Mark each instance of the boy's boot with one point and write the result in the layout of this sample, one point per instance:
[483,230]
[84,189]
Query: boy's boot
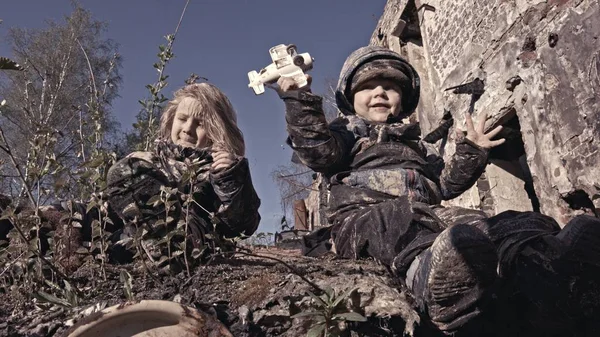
[453,278]
[581,238]
[553,281]
[535,289]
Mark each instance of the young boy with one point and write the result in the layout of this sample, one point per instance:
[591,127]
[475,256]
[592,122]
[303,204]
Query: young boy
[385,189]
[386,184]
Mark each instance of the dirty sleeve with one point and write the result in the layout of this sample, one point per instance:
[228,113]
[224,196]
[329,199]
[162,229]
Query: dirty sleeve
[238,211]
[318,145]
[462,171]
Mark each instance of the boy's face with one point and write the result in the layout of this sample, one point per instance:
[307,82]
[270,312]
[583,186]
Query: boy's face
[187,127]
[376,99]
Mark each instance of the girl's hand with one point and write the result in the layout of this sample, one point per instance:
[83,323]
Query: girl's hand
[222,160]
[478,136]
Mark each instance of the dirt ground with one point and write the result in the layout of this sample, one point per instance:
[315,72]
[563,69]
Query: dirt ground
[251,295]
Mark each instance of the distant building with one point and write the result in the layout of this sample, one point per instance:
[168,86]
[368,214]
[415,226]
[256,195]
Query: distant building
[315,204]
[309,214]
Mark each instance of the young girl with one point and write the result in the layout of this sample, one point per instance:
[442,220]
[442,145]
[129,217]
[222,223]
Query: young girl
[199,155]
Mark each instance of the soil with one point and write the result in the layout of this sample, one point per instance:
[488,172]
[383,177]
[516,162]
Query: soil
[251,295]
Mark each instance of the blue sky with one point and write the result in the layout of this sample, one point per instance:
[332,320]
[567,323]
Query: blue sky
[221,40]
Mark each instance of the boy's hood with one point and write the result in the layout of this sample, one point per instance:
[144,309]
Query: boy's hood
[364,55]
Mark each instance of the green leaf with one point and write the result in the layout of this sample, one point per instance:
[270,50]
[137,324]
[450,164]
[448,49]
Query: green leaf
[91,205]
[351,317]
[85,175]
[176,253]
[162,260]
[196,253]
[316,330]
[95,177]
[330,293]
[343,297]
[70,294]
[326,299]
[52,284]
[96,232]
[94,162]
[45,297]
[317,299]
[125,277]
[154,201]
[320,319]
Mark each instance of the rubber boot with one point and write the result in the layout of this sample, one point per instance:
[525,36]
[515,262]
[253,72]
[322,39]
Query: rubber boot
[581,237]
[453,279]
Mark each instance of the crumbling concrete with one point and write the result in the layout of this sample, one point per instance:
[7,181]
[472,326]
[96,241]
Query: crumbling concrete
[540,64]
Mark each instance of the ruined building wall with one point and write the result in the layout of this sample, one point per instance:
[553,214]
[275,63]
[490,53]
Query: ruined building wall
[540,65]
[316,203]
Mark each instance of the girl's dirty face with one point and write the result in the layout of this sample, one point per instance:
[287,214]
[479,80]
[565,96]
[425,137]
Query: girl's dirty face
[187,129]
[376,99]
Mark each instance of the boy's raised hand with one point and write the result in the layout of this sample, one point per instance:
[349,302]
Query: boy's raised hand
[287,84]
[478,135]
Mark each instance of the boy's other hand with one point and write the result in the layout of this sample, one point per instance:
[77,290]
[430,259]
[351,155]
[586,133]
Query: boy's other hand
[287,84]
[478,135]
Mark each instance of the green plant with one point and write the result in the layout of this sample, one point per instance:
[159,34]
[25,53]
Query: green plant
[146,128]
[67,296]
[126,278]
[330,309]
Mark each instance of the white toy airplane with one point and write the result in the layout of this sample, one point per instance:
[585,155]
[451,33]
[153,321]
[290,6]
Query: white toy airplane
[286,62]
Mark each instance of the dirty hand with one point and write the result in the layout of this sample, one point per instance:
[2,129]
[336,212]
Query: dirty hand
[222,160]
[478,136]
[286,84]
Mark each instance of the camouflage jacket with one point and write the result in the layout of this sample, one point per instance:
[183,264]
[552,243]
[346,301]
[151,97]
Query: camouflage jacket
[369,163]
[225,199]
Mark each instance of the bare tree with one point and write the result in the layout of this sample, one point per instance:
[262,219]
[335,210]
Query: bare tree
[58,107]
[294,182]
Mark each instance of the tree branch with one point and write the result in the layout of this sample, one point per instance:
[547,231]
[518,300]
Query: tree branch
[17,167]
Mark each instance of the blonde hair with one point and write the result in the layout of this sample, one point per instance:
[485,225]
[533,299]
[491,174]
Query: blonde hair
[215,110]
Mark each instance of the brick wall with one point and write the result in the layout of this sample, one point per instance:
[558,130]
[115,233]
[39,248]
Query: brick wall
[540,63]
